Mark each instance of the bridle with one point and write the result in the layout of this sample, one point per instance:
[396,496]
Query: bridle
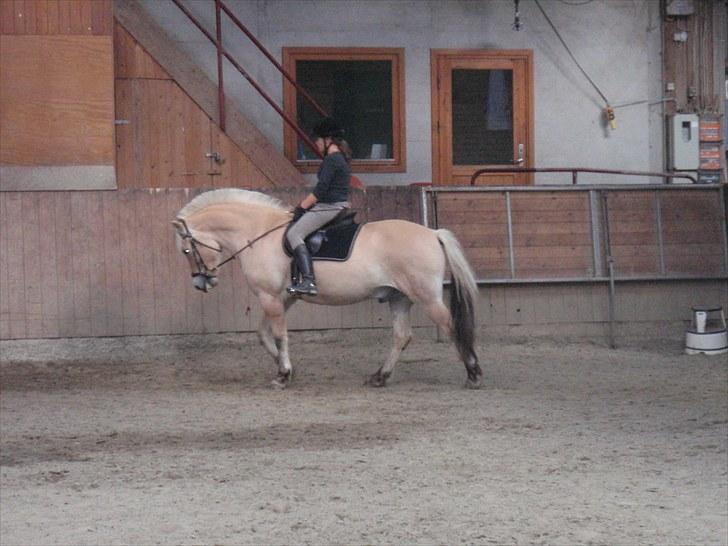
[209,275]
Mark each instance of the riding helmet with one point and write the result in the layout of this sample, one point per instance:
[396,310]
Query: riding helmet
[328,128]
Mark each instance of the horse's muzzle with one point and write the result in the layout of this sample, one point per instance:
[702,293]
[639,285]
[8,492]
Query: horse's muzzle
[204,282]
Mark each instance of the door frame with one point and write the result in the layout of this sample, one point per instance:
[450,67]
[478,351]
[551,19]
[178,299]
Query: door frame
[439,55]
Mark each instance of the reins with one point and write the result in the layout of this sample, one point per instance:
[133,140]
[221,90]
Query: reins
[251,243]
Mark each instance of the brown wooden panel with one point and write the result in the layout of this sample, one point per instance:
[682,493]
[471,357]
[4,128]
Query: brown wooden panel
[457,202]
[64,261]
[30,15]
[78,262]
[204,92]
[32,264]
[81,232]
[7,17]
[236,169]
[143,244]
[95,250]
[13,256]
[41,16]
[179,271]
[165,142]
[113,259]
[48,270]
[56,100]
[129,270]
[4,288]
[131,60]
[56,17]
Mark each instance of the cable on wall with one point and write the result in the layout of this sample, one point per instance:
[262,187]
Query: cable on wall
[608,110]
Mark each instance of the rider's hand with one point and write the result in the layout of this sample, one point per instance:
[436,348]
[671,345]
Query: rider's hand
[297,213]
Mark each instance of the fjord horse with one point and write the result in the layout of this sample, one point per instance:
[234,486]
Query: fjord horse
[395,261]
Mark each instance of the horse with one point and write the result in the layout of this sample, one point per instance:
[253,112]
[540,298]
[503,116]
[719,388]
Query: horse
[395,261]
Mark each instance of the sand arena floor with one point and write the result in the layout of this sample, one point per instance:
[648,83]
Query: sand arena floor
[181,440]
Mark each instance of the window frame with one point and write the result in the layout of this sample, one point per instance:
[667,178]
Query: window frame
[291,55]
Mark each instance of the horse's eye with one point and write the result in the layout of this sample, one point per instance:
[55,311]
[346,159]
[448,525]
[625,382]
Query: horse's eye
[186,251]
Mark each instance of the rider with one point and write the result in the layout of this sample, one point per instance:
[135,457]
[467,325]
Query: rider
[324,203]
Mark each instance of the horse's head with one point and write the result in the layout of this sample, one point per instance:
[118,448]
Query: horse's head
[202,251]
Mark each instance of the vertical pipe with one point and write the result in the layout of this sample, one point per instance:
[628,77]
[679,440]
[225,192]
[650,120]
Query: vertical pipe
[423,205]
[220,85]
[610,269]
[596,234]
[658,220]
[510,235]
[724,228]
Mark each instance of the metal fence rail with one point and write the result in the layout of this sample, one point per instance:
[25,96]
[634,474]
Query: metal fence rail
[602,226]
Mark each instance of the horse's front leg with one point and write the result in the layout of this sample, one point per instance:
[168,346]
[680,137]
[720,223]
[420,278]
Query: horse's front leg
[274,336]
[265,332]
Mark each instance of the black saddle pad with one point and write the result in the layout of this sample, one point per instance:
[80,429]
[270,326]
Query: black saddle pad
[337,242]
[332,242]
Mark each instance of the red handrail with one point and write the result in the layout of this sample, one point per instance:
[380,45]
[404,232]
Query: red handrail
[273,60]
[222,52]
[574,171]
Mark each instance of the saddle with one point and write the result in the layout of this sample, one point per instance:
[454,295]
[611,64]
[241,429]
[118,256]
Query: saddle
[333,241]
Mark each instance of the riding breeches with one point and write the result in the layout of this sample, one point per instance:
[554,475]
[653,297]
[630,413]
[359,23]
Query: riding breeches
[313,219]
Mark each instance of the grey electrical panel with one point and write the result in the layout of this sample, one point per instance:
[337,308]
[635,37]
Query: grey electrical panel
[683,133]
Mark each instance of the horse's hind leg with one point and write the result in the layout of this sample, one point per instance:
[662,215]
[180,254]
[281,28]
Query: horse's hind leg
[400,306]
[440,315]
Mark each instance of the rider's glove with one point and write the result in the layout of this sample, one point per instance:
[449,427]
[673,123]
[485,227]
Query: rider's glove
[297,213]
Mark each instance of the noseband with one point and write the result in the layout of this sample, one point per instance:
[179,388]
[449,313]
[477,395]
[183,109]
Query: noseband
[202,269]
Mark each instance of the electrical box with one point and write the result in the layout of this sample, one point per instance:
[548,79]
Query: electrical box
[684,136]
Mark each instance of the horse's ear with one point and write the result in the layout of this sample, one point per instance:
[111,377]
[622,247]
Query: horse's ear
[178,225]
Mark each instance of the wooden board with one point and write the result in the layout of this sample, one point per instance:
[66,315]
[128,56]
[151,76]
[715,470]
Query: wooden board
[56,100]
[131,60]
[57,17]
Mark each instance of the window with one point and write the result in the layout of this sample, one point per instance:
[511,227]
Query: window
[363,89]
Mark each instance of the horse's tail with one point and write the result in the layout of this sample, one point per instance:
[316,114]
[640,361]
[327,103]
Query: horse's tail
[463,295]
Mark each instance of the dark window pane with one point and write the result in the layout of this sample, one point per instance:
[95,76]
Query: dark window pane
[482,117]
[358,94]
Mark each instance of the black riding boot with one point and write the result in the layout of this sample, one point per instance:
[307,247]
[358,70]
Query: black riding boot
[307,285]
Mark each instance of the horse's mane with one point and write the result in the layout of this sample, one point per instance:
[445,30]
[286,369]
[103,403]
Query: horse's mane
[229,195]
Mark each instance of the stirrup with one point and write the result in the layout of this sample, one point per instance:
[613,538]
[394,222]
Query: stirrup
[306,287]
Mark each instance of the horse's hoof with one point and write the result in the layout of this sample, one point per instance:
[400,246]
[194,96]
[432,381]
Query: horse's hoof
[474,383]
[377,380]
[282,380]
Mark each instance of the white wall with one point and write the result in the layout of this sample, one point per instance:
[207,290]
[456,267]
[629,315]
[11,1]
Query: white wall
[618,42]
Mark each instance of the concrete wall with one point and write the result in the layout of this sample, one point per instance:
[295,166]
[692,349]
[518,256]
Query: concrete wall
[618,42]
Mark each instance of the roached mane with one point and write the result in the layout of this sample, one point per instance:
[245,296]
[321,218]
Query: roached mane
[229,195]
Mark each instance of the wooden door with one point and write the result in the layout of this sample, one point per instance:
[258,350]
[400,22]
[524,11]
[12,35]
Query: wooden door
[482,115]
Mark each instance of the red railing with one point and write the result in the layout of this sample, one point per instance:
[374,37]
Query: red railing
[223,53]
[574,172]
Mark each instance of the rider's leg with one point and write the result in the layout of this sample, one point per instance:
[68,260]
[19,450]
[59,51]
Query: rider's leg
[319,215]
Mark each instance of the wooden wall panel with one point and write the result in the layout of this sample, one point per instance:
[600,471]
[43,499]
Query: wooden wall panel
[65,17]
[50,114]
[479,221]
[552,235]
[132,61]
[105,263]
[165,137]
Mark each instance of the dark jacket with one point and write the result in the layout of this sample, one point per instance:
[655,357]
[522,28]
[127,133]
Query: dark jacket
[334,177]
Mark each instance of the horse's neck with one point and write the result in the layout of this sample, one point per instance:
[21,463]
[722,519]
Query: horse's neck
[234,222]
